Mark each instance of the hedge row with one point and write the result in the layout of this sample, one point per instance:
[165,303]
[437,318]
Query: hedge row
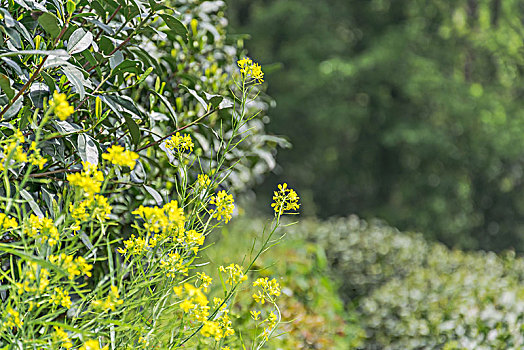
[412,294]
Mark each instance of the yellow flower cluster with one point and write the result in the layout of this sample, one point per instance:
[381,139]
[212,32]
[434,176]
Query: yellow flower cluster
[224,204]
[61,297]
[13,319]
[111,302]
[93,345]
[60,336]
[206,280]
[117,155]
[35,279]
[168,220]
[89,180]
[203,181]
[14,150]
[43,228]
[134,246]
[271,323]
[180,143]
[7,222]
[196,304]
[96,206]
[60,106]
[234,272]
[285,199]
[268,289]
[248,68]
[74,266]
[173,265]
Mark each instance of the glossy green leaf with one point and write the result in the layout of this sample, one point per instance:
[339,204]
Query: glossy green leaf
[176,26]
[49,22]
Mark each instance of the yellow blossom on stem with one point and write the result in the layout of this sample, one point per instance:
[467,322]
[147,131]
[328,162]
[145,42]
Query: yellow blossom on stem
[89,180]
[60,106]
[7,222]
[285,199]
[117,155]
[180,143]
[61,336]
[111,302]
[13,318]
[43,228]
[61,297]
[224,206]
[234,273]
[250,69]
[93,345]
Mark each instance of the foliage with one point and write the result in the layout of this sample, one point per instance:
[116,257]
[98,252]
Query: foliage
[410,294]
[122,134]
[313,316]
[404,110]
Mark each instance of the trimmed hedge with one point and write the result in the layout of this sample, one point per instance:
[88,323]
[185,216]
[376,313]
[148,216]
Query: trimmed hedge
[413,294]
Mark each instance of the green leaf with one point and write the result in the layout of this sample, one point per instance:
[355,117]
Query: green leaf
[196,95]
[156,196]
[36,209]
[76,78]
[49,22]
[106,45]
[87,149]
[79,41]
[14,109]
[176,26]
[57,53]
[50,82]
[172,113]
[133,129]
[127,66]
[5,85]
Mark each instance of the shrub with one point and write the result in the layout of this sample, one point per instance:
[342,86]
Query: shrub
[122,133]
[413,294]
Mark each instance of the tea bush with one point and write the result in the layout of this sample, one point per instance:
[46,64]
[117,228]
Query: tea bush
[122,134]
[412,294]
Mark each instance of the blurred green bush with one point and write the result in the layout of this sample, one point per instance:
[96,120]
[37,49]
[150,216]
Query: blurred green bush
[411,294]
[406,110]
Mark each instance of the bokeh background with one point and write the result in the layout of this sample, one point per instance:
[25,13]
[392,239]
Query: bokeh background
[410,112]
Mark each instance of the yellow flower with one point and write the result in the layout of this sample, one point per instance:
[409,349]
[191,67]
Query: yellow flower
[13,318]
[234,272]
[61,336]
[43,228]
[285,199]
[74,267]
[187,305]
[206,280]
[61,297]
[255,315]
[92,345]
[7,222]
[89,180]
[180,143]
[224,206]
[248,68]
[111,302]
[118,156]
[203,181]
[60,106]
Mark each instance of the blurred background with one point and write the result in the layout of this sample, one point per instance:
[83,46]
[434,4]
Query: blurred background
[409,112]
